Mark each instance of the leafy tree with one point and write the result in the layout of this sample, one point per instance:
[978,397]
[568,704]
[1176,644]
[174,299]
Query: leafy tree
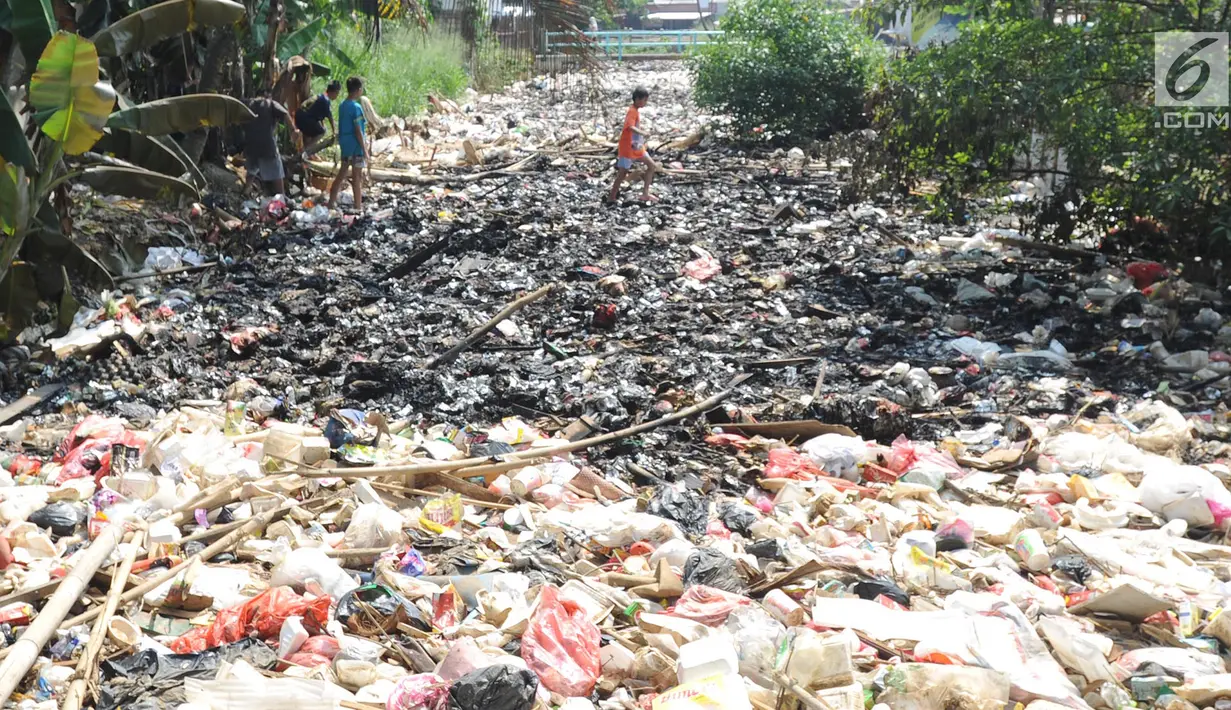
[798,68]
[1027,83]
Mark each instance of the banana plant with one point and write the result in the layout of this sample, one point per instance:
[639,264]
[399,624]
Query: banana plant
[51,133]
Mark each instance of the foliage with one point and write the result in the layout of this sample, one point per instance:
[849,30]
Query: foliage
[70,111]
[1018,89]
[403,69]
[493,67]
[796,67]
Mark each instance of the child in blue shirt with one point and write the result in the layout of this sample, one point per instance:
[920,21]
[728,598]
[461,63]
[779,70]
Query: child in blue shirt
[351,141]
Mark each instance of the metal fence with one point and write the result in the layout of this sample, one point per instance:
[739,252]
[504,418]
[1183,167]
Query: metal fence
[631,44]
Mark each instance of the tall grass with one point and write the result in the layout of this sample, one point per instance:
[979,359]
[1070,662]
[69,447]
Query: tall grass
[403,69]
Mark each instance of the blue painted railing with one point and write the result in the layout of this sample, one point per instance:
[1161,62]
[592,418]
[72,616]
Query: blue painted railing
[615,42]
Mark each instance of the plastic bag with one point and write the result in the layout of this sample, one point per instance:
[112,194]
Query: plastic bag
[373,525]
[690,510]
[707,605]
[61,518]
[837,454]
[784,463]
[561,645]
[498,687]
[374,608]
[309,660]
[955,535]
[307,566]
[422,690]
[757,638]
[737,518]
[703,268]
[321,645]
[709,567]
[264,614]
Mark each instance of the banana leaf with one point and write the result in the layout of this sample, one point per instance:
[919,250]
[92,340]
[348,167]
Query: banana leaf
[14,213]
[14,147]
[6,16]
[299,40]
[136,182]
[140,150]
[33,25]
[152,25]
[66,80]
[181,114]
[47,245]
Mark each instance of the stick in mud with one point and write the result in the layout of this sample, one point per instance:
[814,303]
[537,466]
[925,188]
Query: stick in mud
[482,330]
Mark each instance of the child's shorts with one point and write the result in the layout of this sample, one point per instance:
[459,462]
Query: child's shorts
[627,163]
[354,161]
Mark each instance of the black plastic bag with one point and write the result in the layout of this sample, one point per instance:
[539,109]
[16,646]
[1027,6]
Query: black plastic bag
[1075,566]
[737,518]
[690,510]
[498,687]
[151,681]
[61,518]
[873,588]
[767,549]
[711,568]
[374,609]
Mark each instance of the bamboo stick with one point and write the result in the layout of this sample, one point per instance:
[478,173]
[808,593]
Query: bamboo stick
[22,654]
[484,466]
[482,330]
[88,664]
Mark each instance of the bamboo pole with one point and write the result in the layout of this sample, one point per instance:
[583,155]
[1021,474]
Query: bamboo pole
[452,353]
[22,654]
[88,664]
[484,466]
[226,543]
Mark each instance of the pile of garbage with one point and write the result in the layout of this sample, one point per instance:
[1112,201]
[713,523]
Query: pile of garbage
[494,446]
[221,559]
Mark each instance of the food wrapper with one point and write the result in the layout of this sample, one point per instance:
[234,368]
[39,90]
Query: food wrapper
[442,513]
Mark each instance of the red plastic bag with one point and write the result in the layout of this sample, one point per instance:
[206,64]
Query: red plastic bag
[902,455]
[561,645]
[92,427]
[262,614]
[326,646]
[310,660]
[707,605]
[785,463]
[1145,273]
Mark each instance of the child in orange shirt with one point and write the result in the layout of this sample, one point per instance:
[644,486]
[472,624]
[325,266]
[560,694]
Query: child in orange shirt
[632,149]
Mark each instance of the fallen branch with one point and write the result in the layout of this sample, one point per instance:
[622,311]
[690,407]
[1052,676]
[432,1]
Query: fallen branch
[408,178]
[482,330]
[485,466]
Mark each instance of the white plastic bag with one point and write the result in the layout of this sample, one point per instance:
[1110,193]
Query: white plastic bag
[308,567]
[373,525]
[837,454]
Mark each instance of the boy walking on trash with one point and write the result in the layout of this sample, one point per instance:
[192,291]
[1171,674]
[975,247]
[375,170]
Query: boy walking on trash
[632,149]
[353,144]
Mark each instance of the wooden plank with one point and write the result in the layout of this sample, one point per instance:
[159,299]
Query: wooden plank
[35,398]
[800,429]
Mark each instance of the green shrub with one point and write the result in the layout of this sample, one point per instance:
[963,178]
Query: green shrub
[795,67]
[980,112]
[402,69]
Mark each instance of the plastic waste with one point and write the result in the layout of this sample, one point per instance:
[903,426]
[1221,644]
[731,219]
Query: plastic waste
[422,690]
[711,568]
[292,636]
[308,568]
[561,645]
[373,609]
[263,615]
[836,454]
[819,662]
[373,525]
[690,510]
[708,605]
[711,656]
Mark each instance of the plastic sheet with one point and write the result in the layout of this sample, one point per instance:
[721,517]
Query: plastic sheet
[263,615]
[707,605]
